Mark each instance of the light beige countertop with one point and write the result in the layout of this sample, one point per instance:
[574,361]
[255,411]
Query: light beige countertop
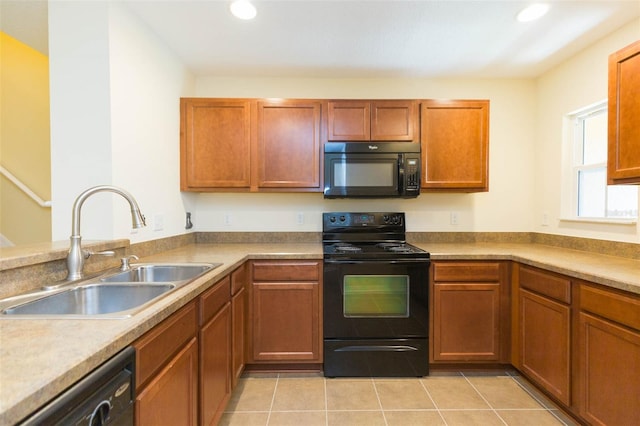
[611,271]
[41,358]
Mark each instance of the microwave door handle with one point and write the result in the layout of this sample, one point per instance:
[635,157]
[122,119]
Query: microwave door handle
[400,175]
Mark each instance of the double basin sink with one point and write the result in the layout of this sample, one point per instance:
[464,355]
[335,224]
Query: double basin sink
[118,294]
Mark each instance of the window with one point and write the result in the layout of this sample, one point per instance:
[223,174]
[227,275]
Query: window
[593,198]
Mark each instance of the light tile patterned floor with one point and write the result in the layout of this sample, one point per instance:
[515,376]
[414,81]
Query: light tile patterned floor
[496,398]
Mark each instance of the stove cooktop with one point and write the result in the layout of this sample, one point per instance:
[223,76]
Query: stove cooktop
[384,250]
[380,235]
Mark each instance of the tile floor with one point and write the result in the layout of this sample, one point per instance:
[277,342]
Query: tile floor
[497,398]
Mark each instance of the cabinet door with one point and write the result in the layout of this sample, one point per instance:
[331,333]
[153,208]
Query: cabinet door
[289,145]
[157,347]
[624,109]
[215,364]
[466,321]
[364,121]
[609,372]
[238,308]
[214,144]
[286,319]
[349,121]
[455,145]
[544,343]
[171,397]
[394,121]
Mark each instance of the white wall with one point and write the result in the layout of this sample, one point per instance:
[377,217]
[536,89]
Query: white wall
[506,207]
[147,81]
[80,115]
[115,93]
[574,84]
[115,120]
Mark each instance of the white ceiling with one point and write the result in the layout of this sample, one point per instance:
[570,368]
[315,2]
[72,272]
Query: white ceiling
[377,38]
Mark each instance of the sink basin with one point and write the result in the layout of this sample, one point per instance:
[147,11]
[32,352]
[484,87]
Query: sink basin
[92,299]
[118,294]
[155,273]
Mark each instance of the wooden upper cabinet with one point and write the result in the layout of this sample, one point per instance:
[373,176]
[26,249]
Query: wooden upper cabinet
[455,145]
[289,144]
[215,144]
[624,112]
[250,145]
[364,121]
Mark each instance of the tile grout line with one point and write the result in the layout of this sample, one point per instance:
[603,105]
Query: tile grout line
[326,403]
[432,401]
[273,399]
[375,389]
[485,399]
[542,403]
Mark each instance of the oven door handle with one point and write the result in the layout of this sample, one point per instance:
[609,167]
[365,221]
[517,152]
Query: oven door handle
[377,348]
[361,262]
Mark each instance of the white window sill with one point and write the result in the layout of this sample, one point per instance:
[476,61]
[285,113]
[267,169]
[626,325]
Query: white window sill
[605,221]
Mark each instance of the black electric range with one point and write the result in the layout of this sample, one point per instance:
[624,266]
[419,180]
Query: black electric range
[375,297]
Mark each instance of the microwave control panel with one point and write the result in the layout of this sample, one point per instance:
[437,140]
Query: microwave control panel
[412,173]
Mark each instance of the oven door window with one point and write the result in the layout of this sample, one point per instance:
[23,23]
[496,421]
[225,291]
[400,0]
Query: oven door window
[376,296]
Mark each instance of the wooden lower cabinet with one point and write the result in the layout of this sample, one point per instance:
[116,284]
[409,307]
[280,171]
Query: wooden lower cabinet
[167,371]
[215,351]
[544,330]
[285,311]
[545,342]
[171,397]
[608,344]
[470,312]
[238,322]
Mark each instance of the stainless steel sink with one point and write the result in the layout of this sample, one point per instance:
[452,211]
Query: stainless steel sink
[92,299]
[114,294]
[154,273]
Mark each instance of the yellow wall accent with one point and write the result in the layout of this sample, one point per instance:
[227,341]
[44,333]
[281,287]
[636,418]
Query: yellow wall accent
[24,141]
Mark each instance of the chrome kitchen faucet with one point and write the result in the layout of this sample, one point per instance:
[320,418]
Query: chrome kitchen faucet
[77,255]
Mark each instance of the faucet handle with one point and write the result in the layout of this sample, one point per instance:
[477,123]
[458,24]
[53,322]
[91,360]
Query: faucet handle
[89,253]
[124,262]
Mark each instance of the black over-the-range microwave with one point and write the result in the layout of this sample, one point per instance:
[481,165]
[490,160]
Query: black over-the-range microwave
[371,169]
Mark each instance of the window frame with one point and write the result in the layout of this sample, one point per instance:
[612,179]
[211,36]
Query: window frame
[575,164]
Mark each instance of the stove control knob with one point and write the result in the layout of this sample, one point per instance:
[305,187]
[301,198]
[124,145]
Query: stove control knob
[332,219]
[342,218]
[385,218]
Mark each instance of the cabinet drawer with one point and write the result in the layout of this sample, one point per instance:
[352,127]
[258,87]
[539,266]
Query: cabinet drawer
[238,279]
[215,298]
[286,271]
[466,271]
[155,349]
[617,307]
[547,284]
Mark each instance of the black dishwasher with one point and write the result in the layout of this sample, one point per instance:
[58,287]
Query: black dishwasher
[103,397]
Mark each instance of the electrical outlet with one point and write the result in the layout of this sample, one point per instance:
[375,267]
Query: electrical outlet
[300,218]
[158,222]
[545,219]
[227,219]
[454,218]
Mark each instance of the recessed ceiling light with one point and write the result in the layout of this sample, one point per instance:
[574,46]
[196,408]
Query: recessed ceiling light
[243,9]
[532,12]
